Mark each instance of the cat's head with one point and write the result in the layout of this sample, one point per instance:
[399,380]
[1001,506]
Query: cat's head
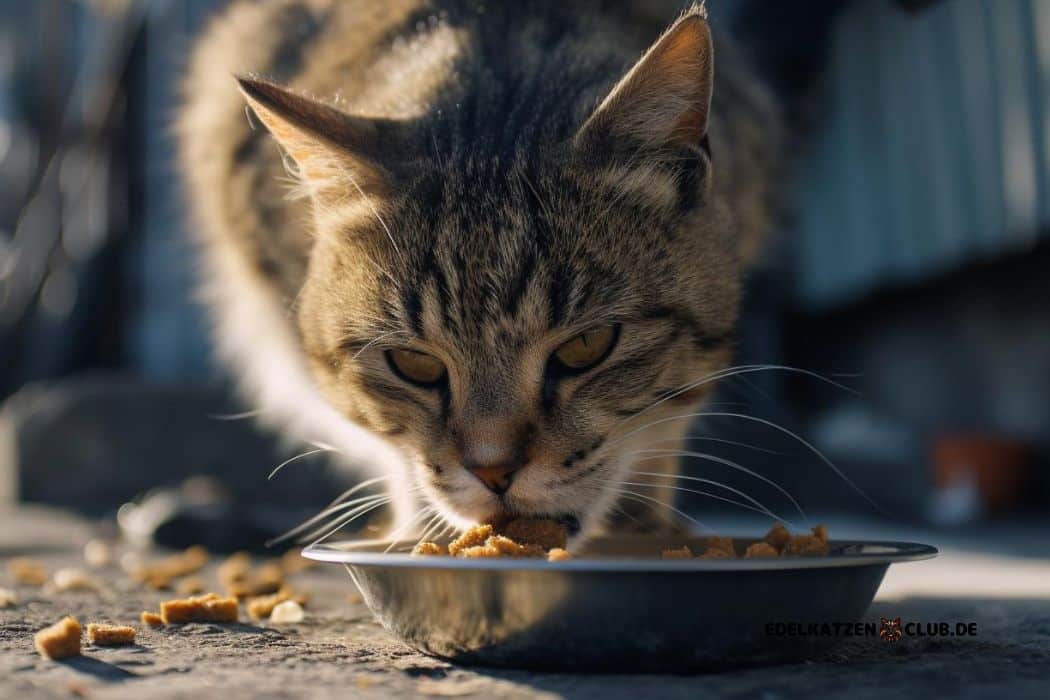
[500,298]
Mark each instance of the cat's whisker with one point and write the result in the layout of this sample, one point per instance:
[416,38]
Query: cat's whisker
[653,502]
[343,522]
[753,504]
[340,503]
[739,416]
[396,535]
[730,372]
[659,454]
[236,416]
[317,522]
[302,455]
[375,340]
[708,438]
[432,525]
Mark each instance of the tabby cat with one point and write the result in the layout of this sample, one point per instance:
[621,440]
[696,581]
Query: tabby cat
[469,244]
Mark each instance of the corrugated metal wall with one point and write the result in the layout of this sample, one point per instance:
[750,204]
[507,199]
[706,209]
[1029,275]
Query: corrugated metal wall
[935,146]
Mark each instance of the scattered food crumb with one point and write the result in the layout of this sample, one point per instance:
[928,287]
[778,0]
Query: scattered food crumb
[559,554]
[73,580]
[234,568]
[260,607]
[97,554]
[287,612]
[474,537]
[206,608]
[267,578]
[354,598]
[682,552]
[190,586]
[159,574]
[778,536]
[110,635]
[429,549]
[761,549]
[59,641]
[8,598]
[26,571]
[151,619]
[293,562]
[713,553]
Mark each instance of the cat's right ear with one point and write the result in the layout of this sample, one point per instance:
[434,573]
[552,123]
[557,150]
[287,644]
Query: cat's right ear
[664,101]
[335,153]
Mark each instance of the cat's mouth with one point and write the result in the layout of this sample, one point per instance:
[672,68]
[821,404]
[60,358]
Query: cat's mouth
[569,520]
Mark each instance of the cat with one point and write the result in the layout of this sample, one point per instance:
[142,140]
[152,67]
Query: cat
[483,250]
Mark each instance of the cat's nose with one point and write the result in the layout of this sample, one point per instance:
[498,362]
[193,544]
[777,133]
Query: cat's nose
[497,479]
[494,448]
[493,463]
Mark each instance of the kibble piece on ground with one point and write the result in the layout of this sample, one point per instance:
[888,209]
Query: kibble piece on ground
[26,571]
[260,607]
[429,549]
[97,554]
[73,580]
[287,612]
[151,618]
[235,568]
[474,537]
[539,531]
[682,552]
[8,598]
[59,641]
[205,608]
[190,586]
[110,635]
[509,548]
[292,562]
[559,554]
[761,549]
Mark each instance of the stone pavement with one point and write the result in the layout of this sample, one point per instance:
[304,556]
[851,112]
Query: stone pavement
[339,651]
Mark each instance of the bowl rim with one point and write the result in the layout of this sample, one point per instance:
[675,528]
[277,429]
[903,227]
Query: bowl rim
[362,553]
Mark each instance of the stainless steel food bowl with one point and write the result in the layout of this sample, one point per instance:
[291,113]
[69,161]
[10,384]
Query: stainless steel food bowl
[616,607]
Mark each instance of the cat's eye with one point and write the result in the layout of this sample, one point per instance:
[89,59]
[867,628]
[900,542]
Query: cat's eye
[586,349]
[416,367]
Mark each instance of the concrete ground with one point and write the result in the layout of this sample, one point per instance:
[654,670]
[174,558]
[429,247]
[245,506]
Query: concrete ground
[339,651]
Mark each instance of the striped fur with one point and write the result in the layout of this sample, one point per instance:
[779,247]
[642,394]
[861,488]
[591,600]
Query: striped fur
[480,181]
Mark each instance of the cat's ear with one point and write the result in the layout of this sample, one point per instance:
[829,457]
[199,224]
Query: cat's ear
[334,152]
[664,101]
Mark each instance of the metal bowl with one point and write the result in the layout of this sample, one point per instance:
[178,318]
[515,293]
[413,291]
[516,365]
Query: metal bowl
[616,608]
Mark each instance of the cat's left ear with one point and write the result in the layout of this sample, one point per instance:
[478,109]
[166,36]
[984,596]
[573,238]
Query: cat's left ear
[664,101]
[337,154]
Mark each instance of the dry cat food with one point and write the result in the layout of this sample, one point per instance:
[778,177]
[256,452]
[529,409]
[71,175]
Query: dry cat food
[8,598]
[26,571]
[287,612]
[59,641]
[778,542]
[159,574]
[261,607]
[151,619]
[205,608]
[522,537]
[110,635]
[241,581]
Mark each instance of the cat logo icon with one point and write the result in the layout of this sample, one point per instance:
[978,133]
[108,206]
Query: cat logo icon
[890,630]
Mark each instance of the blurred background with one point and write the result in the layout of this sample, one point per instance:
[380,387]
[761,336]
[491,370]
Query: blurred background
[913,267]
